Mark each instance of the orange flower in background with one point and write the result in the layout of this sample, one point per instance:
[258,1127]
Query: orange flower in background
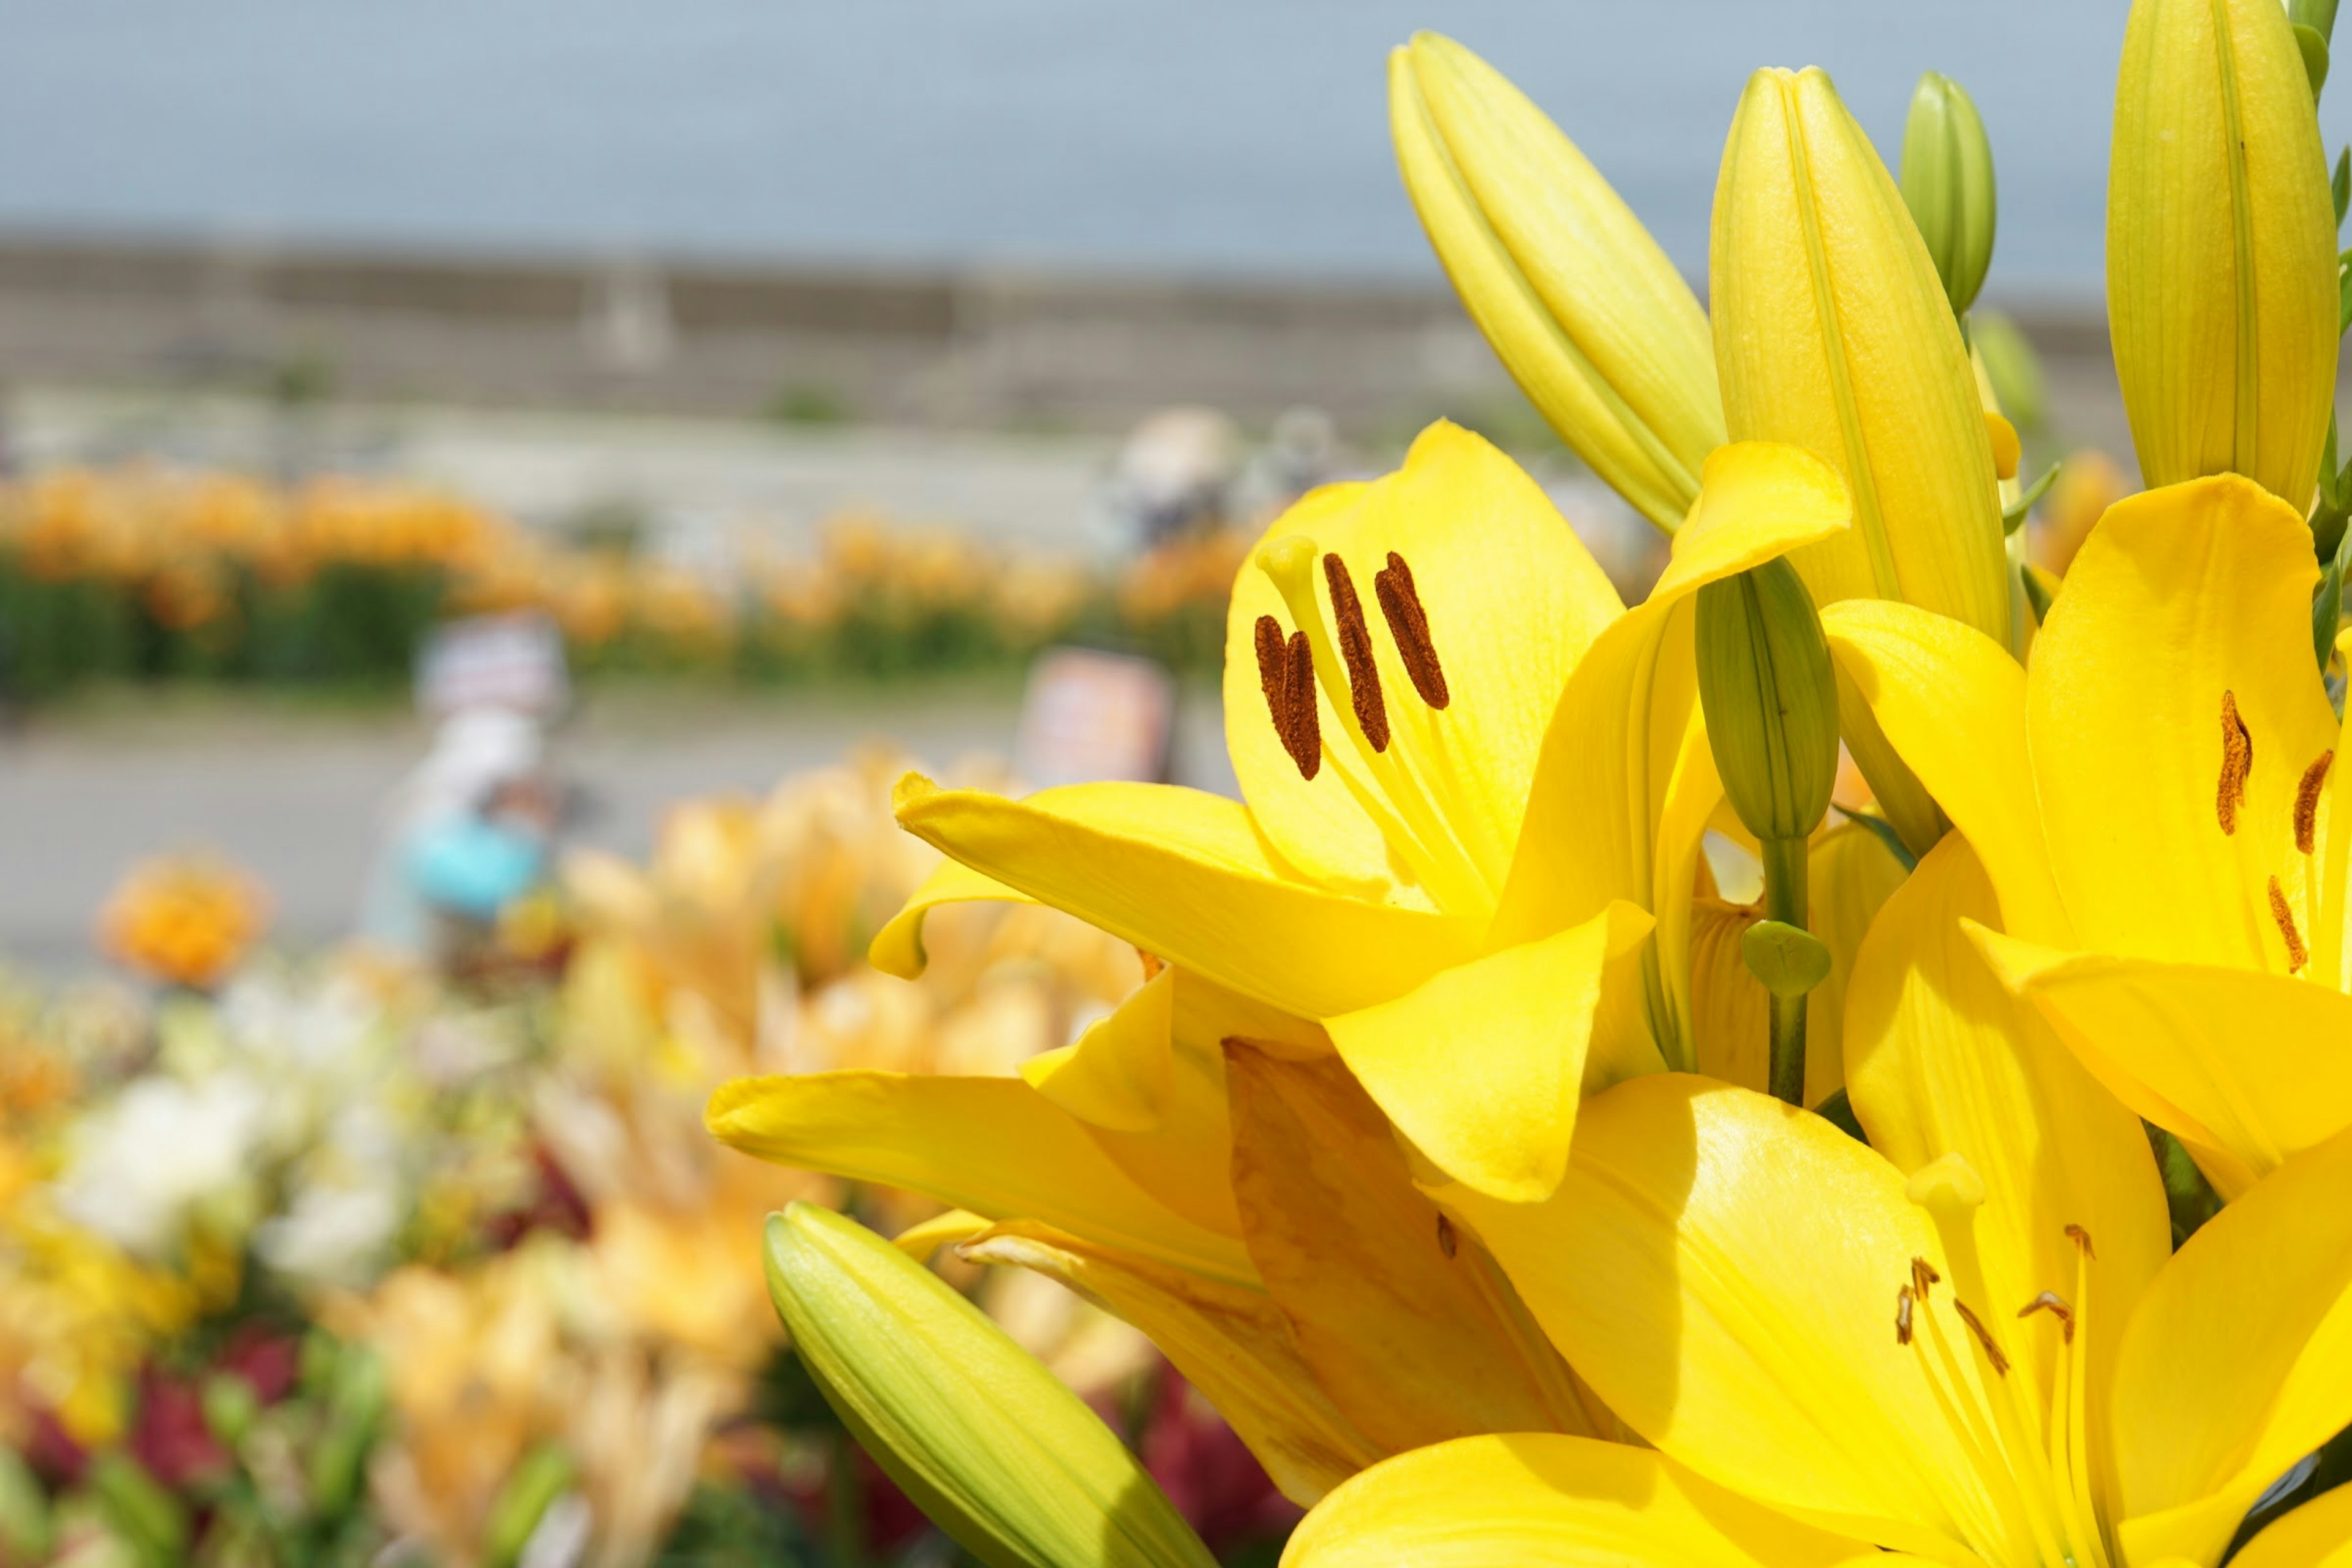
[2088,484]
[186,920]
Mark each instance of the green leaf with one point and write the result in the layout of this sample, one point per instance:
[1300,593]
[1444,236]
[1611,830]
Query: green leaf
[1838,1111]
[2343,292]
[2035,594]
[1788,960]
[2015,512]
[2314,57]
[2340,187]
[2186,1193]
[1878,827]
[984,1439]
[2327,603]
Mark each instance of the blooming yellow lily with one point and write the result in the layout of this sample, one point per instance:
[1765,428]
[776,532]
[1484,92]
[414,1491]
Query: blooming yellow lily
[1459,819]
[2158,801]
[1964,1342]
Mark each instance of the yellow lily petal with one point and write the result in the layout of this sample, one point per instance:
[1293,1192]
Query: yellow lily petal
[1184,1155]
[1833,332]
[1723,1269]
[1851,875]
[2220,246]
[1234,1345]
[1551,1502]
[1941,1061]
[1953,703]
[1730,1009]
[2316,1535]
[2185,622]
[1411,1329]
[2252,1064]
[1482,1066]
[1121,1073]
[992,1145]
[898,948]
[2239,1360]
[1591,318]
[1626,783]
[1510,598]
[949,1228]
[1185,874]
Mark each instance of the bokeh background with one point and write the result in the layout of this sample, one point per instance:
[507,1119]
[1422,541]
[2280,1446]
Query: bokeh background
[490,495]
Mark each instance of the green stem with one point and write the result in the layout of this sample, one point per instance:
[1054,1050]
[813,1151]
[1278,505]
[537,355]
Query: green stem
[1785,900]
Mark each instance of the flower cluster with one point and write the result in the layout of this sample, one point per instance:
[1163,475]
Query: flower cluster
[1549,1133]
[146,573]
[304,1263]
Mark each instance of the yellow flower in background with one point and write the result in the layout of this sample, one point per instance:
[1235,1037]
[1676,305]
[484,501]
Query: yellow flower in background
[1586,311]
[1965,1342]
[187,919]
[2221,264]
[2159,800]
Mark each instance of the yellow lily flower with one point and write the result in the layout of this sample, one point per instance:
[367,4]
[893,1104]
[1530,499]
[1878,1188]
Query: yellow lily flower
[1381,879]
[2221,292]
[2157,803]
[1964,1342]
[1583,308]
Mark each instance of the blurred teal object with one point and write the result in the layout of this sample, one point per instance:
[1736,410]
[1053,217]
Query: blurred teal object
[474,868]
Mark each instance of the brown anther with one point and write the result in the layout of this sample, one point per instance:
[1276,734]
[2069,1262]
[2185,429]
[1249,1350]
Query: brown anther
[2298,955]
[1984,1337]
[1356,648]
[2082,1238]
[1446,1241]
[1152,963]
[1923,1273]
[1902,1316]
[2050,1301]
[2237,762]
[1286,672]
[2306,803]
[1409,624]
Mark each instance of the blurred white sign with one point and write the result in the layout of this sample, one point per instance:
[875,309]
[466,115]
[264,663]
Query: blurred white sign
[1090,715]
[494,661]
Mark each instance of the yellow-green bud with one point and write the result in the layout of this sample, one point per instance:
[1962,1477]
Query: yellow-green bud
[1948,185]
[985,1440]
[1770,698]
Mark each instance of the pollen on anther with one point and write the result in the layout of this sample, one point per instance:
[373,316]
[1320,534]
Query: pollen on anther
[2306,803]
[2298,955]
[1409,624]
[2050,1301]
[1903,1299]
[1286,672]
[1356,648]
[1923,1273]
[2082,1238]
[1446,1241]
[2237,762]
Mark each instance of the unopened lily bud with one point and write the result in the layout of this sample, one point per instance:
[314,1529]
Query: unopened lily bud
[1770,698]
[1832,333]
[972,1427]
[1948,185]
[2221,267]
[1580,303]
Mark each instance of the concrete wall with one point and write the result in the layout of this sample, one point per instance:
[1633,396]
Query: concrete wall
[983,348]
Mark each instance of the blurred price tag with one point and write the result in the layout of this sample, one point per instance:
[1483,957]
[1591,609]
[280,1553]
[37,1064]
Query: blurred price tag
[1090,715]
[494,661]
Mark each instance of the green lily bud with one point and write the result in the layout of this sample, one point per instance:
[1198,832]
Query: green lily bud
[990,1446]
[1770,698]
[1948,185]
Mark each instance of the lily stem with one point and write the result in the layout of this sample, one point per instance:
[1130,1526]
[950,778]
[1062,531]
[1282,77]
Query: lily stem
[1785,899]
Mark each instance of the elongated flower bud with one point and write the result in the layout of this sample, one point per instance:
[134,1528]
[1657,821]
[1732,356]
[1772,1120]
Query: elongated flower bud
[1948,185]
[1766,685]
[2222,291]
[981,1436]
[1833,332]
[1591,319]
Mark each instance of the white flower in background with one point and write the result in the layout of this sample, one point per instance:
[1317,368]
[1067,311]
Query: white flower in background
[139,1166]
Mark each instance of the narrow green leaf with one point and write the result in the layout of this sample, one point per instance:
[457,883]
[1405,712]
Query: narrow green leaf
[2314,57]
[2015,512]
[2035,594]
[2340,187]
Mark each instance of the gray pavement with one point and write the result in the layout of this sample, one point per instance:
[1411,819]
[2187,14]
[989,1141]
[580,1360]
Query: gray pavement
[295,796]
